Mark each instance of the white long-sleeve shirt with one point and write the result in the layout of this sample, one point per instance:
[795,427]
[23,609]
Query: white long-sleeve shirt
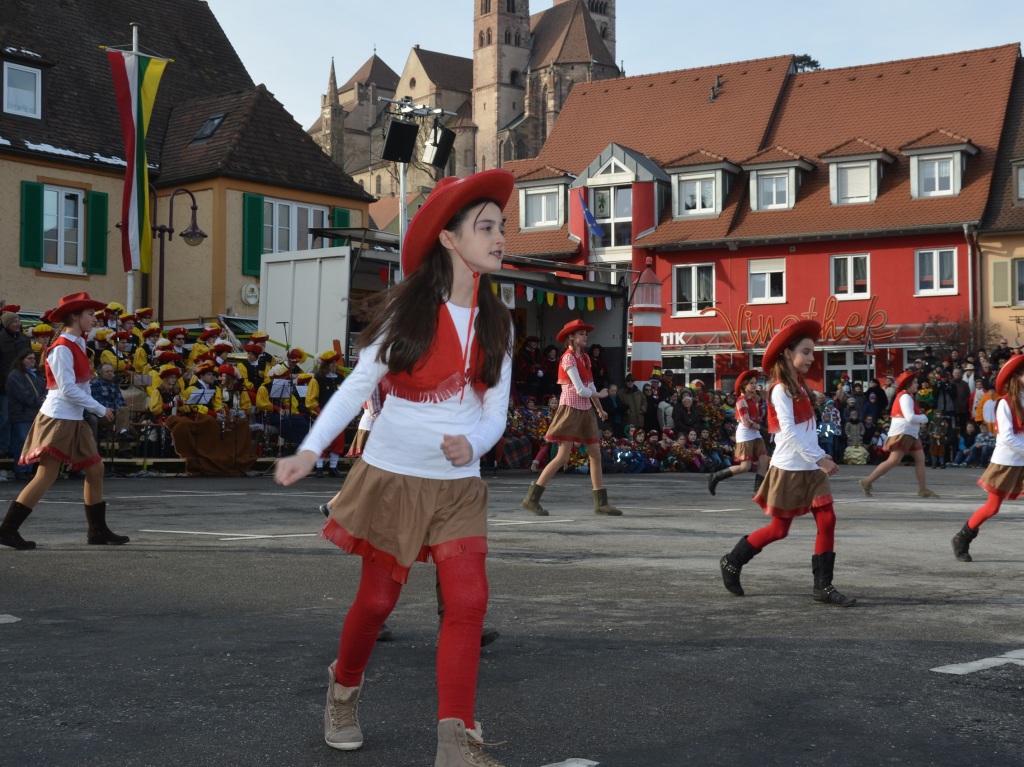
[1009,449]
[796,444]
[407,435]
[70,398]
[911,422]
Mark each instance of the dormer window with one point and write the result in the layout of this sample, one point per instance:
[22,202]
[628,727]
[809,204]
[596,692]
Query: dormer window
[22,90]
[853,183]
[772,190]
[541,207]
[855,170]
[937,164]
[700,183]
[775,178]
[697,194]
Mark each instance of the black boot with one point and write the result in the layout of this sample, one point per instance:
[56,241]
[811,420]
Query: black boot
[962,542]
[16,515]
[733,562]
[714,479]
[758,481]
[822,565]
[99,534]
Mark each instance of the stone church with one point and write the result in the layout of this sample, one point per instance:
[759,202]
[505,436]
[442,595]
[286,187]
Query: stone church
[504,100]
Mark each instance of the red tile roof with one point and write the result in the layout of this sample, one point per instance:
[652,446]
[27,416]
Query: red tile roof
[1004,212]
[566,33]
[775,154]
[698,157]
[936,138]
[853,147]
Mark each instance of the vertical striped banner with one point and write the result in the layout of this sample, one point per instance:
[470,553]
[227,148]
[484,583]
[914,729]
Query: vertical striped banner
[136,78]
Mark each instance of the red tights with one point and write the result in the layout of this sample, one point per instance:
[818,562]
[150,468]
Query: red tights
[824,518]
[990,509]
[464,588]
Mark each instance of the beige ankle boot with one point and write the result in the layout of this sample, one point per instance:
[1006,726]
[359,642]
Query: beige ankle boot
[457,746]
[926,493]
[866,487]
[532,500]
[601,505]
[341,716]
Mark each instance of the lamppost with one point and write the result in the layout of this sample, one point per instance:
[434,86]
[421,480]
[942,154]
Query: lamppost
[192,235]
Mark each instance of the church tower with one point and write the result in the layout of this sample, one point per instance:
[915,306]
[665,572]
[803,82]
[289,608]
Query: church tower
[501,50]
[603,13]
[331,136]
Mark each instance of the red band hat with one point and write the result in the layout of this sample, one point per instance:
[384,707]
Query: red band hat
[1007,371]
[906,377]
[42,329]
[74,302]
[572,327]
[449,197]
[129,318]
[177,332]
[168,370]
[328,356]
[226,369]
[786,336]
[253,349]
[259,337]
[152,330]
[10,308]
[144,311]
[122,335]
[209,333]
[165,357]
[743,378]
[206,367]
[223,344]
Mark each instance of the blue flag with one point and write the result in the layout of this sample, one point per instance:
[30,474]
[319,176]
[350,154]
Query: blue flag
[592,225]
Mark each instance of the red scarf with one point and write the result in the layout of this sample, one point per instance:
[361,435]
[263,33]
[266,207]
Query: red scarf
[83,370]
[803,410]
[897,411]
[582,367]
[440,373]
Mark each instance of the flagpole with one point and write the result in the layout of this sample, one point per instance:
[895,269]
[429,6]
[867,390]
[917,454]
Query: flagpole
[130,292]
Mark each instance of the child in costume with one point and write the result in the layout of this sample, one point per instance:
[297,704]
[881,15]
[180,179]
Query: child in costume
[750,452]
[797,481]
[440,344]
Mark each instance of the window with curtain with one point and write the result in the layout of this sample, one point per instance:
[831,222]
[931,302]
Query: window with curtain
[936,271]
[935,176]
[850,276]
[693,288]
[541,207]
[1018,281]
[286,226]
[773,190]
[22,90]
[63,230]
[613,209]
[696,195]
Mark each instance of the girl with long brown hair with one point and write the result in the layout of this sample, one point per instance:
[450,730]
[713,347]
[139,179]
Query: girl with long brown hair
[797,482]
[439,344]
[1004,477]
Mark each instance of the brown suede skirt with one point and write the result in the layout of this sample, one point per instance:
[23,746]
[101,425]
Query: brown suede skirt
[1007,482]
[572,425]
[394,520]
[750,451]
[904,443]
[793,493]
[70,442]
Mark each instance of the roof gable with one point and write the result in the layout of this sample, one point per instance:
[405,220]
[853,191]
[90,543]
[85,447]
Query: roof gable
[566,34]
[447,72]
[376,71]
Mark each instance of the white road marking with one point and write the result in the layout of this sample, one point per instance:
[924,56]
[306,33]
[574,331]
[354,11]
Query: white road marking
[232,536]
[526,522]
[1014,656]
[9,619]
[574,763]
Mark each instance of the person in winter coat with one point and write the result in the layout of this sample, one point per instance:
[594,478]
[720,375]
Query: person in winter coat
[26,391]
[635,401]
[687,415]
[665,407]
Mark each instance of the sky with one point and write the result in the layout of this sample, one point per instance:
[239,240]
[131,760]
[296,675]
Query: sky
[289,46]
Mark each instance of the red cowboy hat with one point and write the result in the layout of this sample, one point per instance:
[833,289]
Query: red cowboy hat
[74,302]
[905,378]
[744,377]
[572,327]
[786,336]
[1007,371]
[449,197]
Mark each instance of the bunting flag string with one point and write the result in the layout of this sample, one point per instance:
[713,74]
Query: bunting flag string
[510,293]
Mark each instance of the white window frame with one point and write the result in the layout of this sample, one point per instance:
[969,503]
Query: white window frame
[714,178]
[61,194]
[838,170]
[692,268]
[850,294]
[607,223]
[621,270]
[1019,182]
[763,176]
[955,161]
[1017,275]
[936,262]
[273,223]
[37,112]
[766,266]
[552,219]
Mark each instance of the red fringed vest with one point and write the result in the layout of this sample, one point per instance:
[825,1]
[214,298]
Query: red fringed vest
[753,408]
[897,411]
[582,367]
[803,410]
[83,370]
[437,376]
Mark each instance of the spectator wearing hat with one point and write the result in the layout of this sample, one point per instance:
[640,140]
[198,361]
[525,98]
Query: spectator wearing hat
[12,343]
[118,356]
[528,369]
[634,401]
[142,362]
[202,345]
[128,322]
[1004,476]
[904,435]
[687,414]
[59,434]
[321,388]
[574,422]
[42,333]
[453,245]
[881,398]
[204,389]
[296,359]
[750,452]
[968,377]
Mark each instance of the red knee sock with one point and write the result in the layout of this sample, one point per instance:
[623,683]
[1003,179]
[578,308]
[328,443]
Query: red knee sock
[776,530]
[378,593]
[825,519]
[990,509]
[464,587]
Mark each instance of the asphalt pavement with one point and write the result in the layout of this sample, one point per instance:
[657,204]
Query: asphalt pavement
[205,640]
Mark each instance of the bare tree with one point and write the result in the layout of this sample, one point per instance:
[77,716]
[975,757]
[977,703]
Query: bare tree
[963,333]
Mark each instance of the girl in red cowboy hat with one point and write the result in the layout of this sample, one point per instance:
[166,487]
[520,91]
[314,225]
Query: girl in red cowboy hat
[439,342]
[904,435]
[797,480]
[573,422]
[59,433]
[750,448]
[1004,477]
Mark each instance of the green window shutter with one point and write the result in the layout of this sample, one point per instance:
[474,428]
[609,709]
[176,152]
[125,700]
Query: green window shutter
[340,217]
[96,233]
[31,225]
[252,233]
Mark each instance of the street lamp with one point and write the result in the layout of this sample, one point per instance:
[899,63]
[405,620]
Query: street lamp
[192,235]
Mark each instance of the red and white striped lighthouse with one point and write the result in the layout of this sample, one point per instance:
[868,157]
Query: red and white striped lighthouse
[647,311]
